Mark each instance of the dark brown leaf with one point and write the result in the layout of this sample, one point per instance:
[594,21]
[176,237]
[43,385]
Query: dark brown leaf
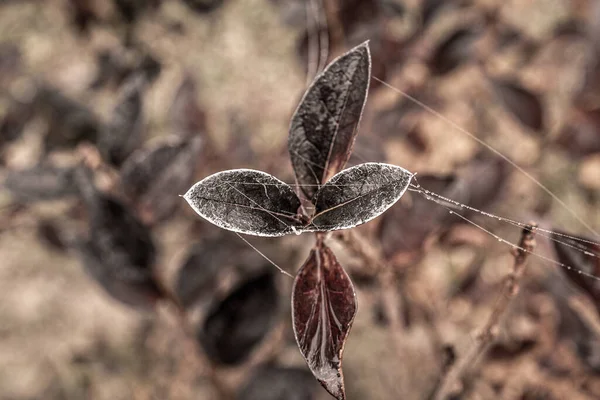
[357,195]
[41,183]
[481,183]
[203,6]
[523,105]
[123,134]
[323,309]
[237,324]
[50,233]
[185,114]
[405,227]
[82,14]
[196,277]
[454,51]
[583,257]
[14,121]
[153,178]
[69,122]
[120,252]
[324,126]
[140,292]
[246,201]
[582,134]
[10,58]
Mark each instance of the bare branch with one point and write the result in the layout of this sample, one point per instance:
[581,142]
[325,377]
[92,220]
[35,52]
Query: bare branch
[453,379]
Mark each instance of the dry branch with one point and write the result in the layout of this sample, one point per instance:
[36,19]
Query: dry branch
[457,372]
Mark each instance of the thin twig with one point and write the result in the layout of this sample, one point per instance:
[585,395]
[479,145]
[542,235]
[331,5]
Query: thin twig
[456,373]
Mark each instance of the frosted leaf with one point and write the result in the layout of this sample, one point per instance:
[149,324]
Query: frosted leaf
[357,195]
[246,201]
[324,126]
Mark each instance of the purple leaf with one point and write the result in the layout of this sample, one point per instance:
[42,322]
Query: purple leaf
[324,126]
[323,309]
[357,195]
[246,201]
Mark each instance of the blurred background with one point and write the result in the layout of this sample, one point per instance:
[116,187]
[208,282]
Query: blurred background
[112,288]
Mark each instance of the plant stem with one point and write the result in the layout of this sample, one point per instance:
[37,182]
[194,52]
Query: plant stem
[456,373]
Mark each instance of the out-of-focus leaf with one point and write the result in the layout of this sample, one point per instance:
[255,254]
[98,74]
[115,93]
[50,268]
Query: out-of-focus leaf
[323,309]
[131,10]
[186,116]
[203,6]
[10,61]
[357,195]
[14,121]
[246,201]
[235,325]
[405,227]
[582,134]
[523,105]
[116,67]
[324,126]
[49,233]
[367,148]
[69,122]
[154,177]
[482,182]
[138,292]
[82,14]
[120,252]
[432,8]
[40,183]
[196,277]
[148,66]
[123,133]
[580,256]
[278,383]
[454,51]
